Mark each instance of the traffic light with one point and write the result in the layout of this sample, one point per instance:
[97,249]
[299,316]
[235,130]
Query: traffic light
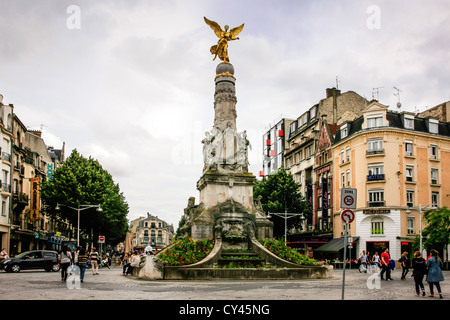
[36,236]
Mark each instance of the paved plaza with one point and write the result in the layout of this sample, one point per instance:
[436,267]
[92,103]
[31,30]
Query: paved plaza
[111,285]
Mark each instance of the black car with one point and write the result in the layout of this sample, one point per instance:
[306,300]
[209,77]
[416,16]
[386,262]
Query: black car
[36,259]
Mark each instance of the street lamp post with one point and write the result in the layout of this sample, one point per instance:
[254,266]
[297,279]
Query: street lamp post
[79,209]
[286,215]
[420,220]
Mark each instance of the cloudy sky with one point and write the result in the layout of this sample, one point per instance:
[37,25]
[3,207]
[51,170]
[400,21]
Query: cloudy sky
[131,83]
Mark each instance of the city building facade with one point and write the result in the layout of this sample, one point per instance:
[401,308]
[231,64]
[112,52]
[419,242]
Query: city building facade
[151,230]
[274,146]
[6,112]
[398,163]
[307,158]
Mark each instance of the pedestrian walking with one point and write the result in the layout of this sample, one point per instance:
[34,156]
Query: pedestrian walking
[75,255]
[376,260]
[94,260]
[419,270]
[404,261]
[126,263]
[435,275]
[369,261]
[65,260]
[363,258]
[82,262]
[385,268]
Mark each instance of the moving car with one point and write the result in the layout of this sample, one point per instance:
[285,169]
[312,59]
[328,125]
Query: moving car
[36,259]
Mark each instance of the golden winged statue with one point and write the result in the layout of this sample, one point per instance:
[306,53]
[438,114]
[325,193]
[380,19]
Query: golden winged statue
[221,48]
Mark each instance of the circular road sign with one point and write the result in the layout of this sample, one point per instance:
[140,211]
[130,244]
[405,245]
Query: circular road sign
[348,200]
[101,238]
[347,216]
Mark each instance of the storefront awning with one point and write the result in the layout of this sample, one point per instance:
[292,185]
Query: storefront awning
[334,245]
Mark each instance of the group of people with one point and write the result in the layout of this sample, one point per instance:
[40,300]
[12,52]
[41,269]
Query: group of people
[431,267]
[128,261]
[80,258]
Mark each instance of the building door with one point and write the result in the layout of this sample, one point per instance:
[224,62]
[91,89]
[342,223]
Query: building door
[373,246]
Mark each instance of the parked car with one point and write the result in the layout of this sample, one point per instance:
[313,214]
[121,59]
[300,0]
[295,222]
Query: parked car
[36,259]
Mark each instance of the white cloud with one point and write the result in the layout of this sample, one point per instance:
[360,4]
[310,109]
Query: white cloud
[134,87]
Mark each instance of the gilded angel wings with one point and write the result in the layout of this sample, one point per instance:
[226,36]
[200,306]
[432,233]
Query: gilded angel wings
[221,48]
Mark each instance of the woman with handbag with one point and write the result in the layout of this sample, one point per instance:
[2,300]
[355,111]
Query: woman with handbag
[435,274]
[65,260]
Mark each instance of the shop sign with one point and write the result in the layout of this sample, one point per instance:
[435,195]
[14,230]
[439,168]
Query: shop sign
[376,211]
[375,177]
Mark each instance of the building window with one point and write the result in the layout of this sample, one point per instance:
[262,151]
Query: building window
[4,208]
[409,173]
[433,151]
[343,179]
[375,122]
[376,198]
[376,169]
[409,123]
[308,152]
[344,131]
[375,146]
[433,126]
[408,148]
[342,156]
[377,226]
[347,151]
[348,177]
[410,198]
[146,233]
[435,199]
[434,175]
[410,228]
[293,127]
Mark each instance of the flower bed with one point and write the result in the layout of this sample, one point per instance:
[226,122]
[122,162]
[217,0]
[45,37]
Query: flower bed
[278,248]
[186,251]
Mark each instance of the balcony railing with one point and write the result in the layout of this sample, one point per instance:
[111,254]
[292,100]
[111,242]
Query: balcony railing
[6,156]
[5,187]
[376,203]
[376,151]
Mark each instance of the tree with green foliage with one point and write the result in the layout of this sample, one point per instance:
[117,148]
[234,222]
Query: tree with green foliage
[437,231]
[83,181]
[280,192]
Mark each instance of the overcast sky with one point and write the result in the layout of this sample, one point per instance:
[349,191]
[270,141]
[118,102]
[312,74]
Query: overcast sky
[131,83]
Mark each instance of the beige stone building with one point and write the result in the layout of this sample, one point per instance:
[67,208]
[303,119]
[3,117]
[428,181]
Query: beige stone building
[396,161]
[151,230]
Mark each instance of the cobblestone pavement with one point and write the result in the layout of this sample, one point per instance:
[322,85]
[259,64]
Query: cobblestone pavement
[110,285]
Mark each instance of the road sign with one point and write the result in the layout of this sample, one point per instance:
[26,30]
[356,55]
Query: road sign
[348,198]
[101,239]
[347,216]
